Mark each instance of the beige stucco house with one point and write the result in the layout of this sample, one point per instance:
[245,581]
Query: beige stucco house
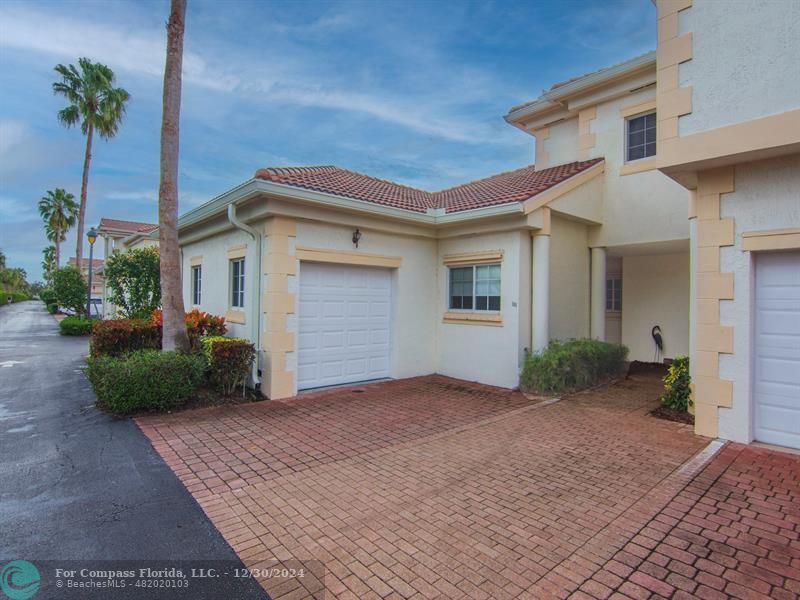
[729,132]
[340,277]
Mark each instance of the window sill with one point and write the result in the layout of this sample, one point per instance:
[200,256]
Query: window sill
[471,318]
[638,166]
[235,316]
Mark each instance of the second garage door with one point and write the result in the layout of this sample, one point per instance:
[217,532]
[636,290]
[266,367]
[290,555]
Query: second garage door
[344,324]
[776,385]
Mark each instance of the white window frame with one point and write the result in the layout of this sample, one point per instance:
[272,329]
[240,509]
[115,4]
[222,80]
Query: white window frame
[197,284]
[626,147]
[614,283]
[474,308]
[236,302]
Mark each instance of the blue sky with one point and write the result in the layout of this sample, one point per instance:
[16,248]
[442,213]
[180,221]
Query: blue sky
[412,91]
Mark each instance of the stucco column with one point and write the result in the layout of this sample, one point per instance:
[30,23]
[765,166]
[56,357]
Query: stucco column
[598,291]
[541,292]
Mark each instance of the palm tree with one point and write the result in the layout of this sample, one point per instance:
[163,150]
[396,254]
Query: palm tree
[174,335]
[59,211]
[97,105]
[2,260]
[49,261]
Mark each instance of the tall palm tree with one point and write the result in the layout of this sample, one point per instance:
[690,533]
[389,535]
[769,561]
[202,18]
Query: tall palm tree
[97,105]
[49,261]
[174,335]
[59,211]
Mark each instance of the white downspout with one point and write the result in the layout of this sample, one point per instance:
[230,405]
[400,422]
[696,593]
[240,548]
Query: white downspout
[255,317]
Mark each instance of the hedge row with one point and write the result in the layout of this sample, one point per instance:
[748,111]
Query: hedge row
[572,365]
[15,296]
[75,326]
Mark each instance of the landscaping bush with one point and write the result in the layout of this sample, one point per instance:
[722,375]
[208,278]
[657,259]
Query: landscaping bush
[52,308]
[198,324]
[134,281]
[70,289]
[47,296]
[572,365]
[115,337]
[229,361]
[16,296]
[677,393]
[145,380]
[75,326]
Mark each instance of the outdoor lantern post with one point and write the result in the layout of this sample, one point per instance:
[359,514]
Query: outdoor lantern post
[91,235]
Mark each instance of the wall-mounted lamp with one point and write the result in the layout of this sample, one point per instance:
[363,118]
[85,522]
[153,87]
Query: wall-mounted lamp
[356,237]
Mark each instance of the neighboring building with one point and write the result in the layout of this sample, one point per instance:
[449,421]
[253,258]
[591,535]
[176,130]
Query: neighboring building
[98,282]
[123,235]
[729,131]
[340,277]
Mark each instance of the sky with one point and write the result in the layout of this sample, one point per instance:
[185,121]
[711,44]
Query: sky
[413,91]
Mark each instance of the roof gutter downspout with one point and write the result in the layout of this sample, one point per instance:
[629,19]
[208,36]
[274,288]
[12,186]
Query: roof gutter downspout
[255,317]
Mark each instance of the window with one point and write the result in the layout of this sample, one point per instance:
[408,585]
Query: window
[614,294]
[197,279]
[237,283]
[475,288]
[641,137]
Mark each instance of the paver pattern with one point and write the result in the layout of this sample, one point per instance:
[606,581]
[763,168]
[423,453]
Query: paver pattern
[432,487]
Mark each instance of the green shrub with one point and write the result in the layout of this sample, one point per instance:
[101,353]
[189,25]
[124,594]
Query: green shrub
[134,281]
[16,296]
[677,393]
[229,361]
[115,337]
[52,308]
[70,289]
[75,326]
[47,296]
[145,380]
[572,365]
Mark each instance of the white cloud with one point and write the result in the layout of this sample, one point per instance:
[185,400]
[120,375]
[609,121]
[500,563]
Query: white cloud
[288,81]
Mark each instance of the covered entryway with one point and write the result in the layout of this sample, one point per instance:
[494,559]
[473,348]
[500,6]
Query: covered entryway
[776,383]
[344,324]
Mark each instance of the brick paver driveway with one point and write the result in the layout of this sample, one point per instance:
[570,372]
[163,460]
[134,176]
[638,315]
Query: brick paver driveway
[433,487]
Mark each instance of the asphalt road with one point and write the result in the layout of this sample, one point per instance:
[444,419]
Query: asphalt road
[78,484]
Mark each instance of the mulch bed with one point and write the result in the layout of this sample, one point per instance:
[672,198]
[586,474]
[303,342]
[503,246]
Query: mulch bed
[669,414]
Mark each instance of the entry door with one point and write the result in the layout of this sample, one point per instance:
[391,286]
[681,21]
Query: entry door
[776,385]
[344,324]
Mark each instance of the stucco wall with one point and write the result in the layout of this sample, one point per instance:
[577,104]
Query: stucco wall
[414,296]
[640,207]
[767,196]
[562,145]
[569,280]
[215,290]
[485,353]
[744,61]
[655,291]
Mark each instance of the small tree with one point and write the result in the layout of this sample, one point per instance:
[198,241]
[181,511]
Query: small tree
[134,282]
[70,289]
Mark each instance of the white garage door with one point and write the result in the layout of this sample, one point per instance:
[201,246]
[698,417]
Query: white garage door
[776,388]
[344,324]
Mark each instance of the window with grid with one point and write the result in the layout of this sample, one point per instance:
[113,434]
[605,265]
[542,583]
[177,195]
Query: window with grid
[237,283]
[197,283]
[475,288]
[614,294]
[641,137]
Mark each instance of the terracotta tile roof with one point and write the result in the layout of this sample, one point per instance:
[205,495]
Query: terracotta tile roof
[512,186]
[96,262]
[132,226]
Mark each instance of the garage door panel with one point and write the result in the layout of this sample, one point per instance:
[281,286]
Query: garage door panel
[344,324]
[776,348]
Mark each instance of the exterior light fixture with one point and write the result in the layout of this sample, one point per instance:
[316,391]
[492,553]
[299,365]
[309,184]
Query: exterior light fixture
[91,235]
[356,237]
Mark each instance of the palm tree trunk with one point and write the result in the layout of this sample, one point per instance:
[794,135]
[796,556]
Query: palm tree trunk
[174,335]
[58,254]
[84,187]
